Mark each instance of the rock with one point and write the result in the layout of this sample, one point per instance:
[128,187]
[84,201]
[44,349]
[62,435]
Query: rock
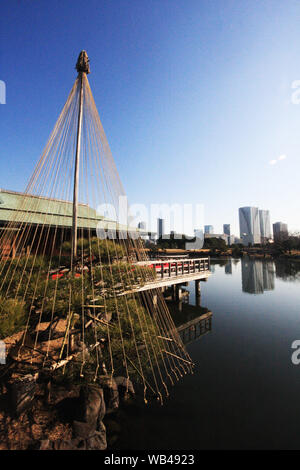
[98,440]
[92,404]
[83,430]
[111,393]
[126,384]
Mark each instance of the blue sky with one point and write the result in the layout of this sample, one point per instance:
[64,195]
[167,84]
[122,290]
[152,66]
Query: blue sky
[195,96]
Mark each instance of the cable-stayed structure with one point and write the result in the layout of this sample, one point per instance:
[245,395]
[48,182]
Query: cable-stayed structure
[68,273]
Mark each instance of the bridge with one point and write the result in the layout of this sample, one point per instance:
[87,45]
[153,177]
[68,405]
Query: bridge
[175,272]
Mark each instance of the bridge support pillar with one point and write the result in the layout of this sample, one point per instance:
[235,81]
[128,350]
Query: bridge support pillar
[178,292]
[197,292]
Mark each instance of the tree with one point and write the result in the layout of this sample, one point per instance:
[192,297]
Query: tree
[215,243]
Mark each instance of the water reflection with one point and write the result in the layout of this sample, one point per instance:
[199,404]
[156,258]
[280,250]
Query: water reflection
[196,328]
[192,321]
[257,276]
[244,378]
[288,271]
[228,267]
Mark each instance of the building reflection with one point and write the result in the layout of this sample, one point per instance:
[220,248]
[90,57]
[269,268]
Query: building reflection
[228,267]
[257,276]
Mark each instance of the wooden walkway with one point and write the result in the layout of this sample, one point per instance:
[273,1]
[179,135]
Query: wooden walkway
[173,271]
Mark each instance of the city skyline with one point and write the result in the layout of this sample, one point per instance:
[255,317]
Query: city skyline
[162,105]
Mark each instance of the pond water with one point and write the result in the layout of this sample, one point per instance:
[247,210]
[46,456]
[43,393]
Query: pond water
[245,392]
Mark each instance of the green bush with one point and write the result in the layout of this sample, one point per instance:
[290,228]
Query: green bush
[12,317]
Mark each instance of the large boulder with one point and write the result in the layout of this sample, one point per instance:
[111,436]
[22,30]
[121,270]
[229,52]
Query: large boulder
[111,393]
[91,404]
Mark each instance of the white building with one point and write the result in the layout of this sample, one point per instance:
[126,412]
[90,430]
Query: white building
[265,225]
[249,225]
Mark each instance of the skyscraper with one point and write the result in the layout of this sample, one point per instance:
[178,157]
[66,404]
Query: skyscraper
[265,226]
[208,229]
[280,231]
[249,225]
[160,227]
[226,229]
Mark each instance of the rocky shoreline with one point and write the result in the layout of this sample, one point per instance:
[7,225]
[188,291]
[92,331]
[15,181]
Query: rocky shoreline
[77,417]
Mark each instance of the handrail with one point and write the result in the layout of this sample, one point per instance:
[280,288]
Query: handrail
[173,267]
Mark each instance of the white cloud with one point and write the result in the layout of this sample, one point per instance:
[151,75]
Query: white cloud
[280,158]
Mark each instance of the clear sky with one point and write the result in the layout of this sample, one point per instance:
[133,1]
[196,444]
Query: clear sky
[195,96]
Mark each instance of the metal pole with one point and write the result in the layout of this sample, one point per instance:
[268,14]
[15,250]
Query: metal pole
[76,173]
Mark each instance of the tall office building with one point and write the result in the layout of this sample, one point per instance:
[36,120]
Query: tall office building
[208,229]
[160,227]
[280,231]
[226,229]
[265,226]
[249,225]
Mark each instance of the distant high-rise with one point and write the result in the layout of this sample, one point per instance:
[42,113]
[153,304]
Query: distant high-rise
[280,231]
[160,227]
[249,225]
[208,229]
[265,226]
[226,229]
[142,225]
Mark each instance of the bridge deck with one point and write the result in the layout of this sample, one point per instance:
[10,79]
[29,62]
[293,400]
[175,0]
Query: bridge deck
[174,271]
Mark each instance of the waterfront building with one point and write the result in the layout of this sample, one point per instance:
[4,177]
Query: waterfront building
[280,231]
[249,225]
[160,227]
[265,226]
[226,229]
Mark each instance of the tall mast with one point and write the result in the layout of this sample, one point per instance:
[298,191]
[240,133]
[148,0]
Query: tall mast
[82,67]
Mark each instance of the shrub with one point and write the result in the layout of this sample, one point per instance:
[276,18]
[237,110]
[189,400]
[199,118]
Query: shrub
[12,317]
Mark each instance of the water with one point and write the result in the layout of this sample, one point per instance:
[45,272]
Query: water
[245,393]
